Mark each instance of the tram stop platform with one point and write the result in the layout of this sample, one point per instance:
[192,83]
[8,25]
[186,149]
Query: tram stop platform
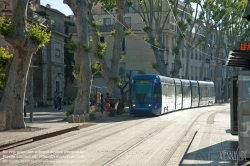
[212,143]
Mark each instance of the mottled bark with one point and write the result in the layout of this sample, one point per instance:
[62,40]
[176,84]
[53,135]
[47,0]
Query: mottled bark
[107,73]
[12,104]
[79,8]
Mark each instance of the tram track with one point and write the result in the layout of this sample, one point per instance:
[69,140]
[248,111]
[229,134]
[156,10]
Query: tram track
[159,129]
[99,129]
[89,132]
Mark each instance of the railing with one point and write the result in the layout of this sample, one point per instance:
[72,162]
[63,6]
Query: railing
[53,25]
[106,28]
[207,61]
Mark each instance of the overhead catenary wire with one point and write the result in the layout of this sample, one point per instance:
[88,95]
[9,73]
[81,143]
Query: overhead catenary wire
[204,54]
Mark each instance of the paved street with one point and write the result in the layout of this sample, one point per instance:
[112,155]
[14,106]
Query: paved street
[189,137]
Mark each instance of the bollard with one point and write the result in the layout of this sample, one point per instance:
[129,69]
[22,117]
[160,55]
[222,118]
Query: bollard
[76,119]
[71,119]
[104,114]
[82,118]
[86,117]
[100,115]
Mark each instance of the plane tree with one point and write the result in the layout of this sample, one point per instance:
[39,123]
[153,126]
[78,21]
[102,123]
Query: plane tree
[25,39]
[81,50]
[235,29]
[155,15]
[5,61]
[110,73]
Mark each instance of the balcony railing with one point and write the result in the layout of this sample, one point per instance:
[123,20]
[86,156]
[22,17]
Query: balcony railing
[53,25]
[208,61]
[106,28]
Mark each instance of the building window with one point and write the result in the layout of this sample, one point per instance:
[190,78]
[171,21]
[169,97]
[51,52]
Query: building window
[196,72]
[196,55]
[127,21]
[57,86]
[57,52]
[102,39]
[183,53]
[191,72]
[107,21]
[123,44]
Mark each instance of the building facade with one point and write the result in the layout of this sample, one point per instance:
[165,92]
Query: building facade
[47,66]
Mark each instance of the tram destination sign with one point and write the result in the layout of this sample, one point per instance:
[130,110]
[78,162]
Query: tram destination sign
[245,45]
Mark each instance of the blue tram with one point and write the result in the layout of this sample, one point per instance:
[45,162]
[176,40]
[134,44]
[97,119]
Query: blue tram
[155,94]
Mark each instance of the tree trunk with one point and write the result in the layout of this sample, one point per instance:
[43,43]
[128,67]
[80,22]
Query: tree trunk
[79,9]
[12,104]
[110,74]
[176,66]
[84,85]
[161,66]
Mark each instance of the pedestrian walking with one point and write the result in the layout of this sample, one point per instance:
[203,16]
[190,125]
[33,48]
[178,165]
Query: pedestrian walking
[107,97]
[102,103]
[59,101]
[55,99]
[26,103]
[120,107]
[107,107]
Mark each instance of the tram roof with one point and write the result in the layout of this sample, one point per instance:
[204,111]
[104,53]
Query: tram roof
[238,58]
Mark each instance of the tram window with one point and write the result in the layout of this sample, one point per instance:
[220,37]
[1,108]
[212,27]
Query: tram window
[178,90]
[157,92]
[186,91]
[142,91]
[164,89]
[194,91]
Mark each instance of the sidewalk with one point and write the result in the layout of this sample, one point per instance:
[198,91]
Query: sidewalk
[46,122]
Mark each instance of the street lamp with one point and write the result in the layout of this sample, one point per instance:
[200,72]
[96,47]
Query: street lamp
[247,11]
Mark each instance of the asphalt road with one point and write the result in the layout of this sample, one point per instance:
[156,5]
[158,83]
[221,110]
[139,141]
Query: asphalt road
[161,140]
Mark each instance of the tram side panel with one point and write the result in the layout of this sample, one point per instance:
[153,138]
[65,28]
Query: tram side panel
[194,93]
[156,106]
[168,98]
[202,94]
[178,94]
[186,89]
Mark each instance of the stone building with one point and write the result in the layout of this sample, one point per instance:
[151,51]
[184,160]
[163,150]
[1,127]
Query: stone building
[47,68]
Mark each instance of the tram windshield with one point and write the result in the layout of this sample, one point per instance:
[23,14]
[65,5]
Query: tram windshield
[142,91]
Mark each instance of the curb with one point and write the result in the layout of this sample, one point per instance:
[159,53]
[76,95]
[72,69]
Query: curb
[41,136]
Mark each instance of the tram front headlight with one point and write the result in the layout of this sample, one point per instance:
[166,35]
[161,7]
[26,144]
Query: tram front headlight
[133,105]
[149,105]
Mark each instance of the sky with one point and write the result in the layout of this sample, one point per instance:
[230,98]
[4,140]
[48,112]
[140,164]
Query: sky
[59,5]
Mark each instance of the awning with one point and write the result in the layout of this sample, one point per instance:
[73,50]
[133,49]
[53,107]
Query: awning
[98,86]
[238,58]
[95,86]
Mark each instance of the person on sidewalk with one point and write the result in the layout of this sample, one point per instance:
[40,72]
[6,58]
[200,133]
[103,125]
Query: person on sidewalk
[107,97]
[55,99]
[107,107]
[120,107]
[26,103]
[102,103]
[59,101]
